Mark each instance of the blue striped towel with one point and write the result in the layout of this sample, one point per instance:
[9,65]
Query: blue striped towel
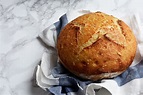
[56,80]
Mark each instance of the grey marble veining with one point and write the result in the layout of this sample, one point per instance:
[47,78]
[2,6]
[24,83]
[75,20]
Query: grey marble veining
[21,21]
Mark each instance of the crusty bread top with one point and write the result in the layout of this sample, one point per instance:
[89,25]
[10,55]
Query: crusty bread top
[96,43]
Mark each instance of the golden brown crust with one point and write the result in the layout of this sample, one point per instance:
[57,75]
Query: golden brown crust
[96,46]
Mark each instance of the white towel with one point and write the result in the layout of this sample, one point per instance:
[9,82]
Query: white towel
[55,79]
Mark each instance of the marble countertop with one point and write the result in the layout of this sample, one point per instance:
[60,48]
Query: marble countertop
[21,21]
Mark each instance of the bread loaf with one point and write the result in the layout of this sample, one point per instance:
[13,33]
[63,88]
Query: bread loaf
[96,46]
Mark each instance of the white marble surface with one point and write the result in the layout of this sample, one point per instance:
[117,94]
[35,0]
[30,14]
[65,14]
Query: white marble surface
[21,21]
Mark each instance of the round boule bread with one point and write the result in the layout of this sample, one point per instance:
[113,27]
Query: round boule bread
[96,46]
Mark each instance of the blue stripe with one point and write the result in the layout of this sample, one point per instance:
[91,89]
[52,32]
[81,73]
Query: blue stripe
[61,23]
[131,73]
[67,81]
[56,90]
[60,71]
[68,84]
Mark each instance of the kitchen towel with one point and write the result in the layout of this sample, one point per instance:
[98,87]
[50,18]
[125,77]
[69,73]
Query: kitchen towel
[54,78]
